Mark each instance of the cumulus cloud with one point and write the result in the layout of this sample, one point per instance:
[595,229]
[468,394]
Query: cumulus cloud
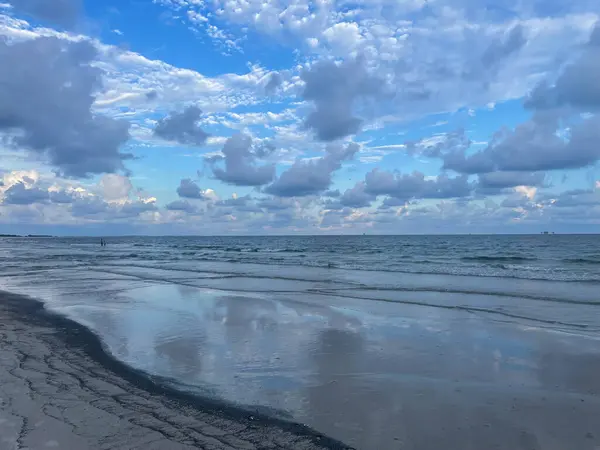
[502,180]
[405,187]
[115,187]
[554,138]
[182,127]
[356,197]
[335,89]
[577,86]
[63,13]
[61,197]
[19,194]
[188,189]
[534,146]
[95,208]
[240,164]
[313,176]
[47,88]
[244,204]
[182,205]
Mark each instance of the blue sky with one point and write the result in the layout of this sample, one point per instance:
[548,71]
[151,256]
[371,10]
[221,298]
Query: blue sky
[283,117]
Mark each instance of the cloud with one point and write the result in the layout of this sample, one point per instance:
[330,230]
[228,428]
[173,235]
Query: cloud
[502,180]
[46,94]
[577,86]
[135,208]
[512,42]
[188,189]
[406,187]
[63,13]
[578,197]
[61,197]
[274,81]
[95,208]
[19,194]
[357,197]
[335,89]
[244,203]
[182,127]
[314,176]
[182,205]
[438,145]
[115,187]
[534,146]
[240,169]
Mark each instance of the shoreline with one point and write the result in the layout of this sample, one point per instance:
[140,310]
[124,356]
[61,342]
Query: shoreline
[55,373]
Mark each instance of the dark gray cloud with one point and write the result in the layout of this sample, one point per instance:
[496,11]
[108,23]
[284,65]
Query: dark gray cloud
[357,197]
[405,187]
[502,180]
[393,202]
[534,146]
[188,189]
[555,138]
[461,162]
[47,88]
[274,204]
[61,197]
[182,127]
[577,86]
[333,194]
[313,176]
[19,194]
[245,204]
[133,209]
[240,164]
[60,12]
[181,205]
[335,90]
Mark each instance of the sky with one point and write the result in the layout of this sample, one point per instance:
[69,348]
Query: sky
[260,117]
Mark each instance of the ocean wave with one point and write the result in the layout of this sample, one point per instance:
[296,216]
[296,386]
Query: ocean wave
[490,270]
[483,258]
[582,260]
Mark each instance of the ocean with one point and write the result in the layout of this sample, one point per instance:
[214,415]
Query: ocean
[359,337]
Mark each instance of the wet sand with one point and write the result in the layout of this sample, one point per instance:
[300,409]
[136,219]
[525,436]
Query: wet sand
[59,389]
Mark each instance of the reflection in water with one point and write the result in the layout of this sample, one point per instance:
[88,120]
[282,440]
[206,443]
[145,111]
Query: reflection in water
[183,352]
[373,374]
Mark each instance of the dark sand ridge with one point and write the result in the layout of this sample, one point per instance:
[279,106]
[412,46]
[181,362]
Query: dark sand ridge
[60,389]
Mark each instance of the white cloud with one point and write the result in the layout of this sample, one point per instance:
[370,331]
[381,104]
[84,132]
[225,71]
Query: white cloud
[526,191]
[450,54]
